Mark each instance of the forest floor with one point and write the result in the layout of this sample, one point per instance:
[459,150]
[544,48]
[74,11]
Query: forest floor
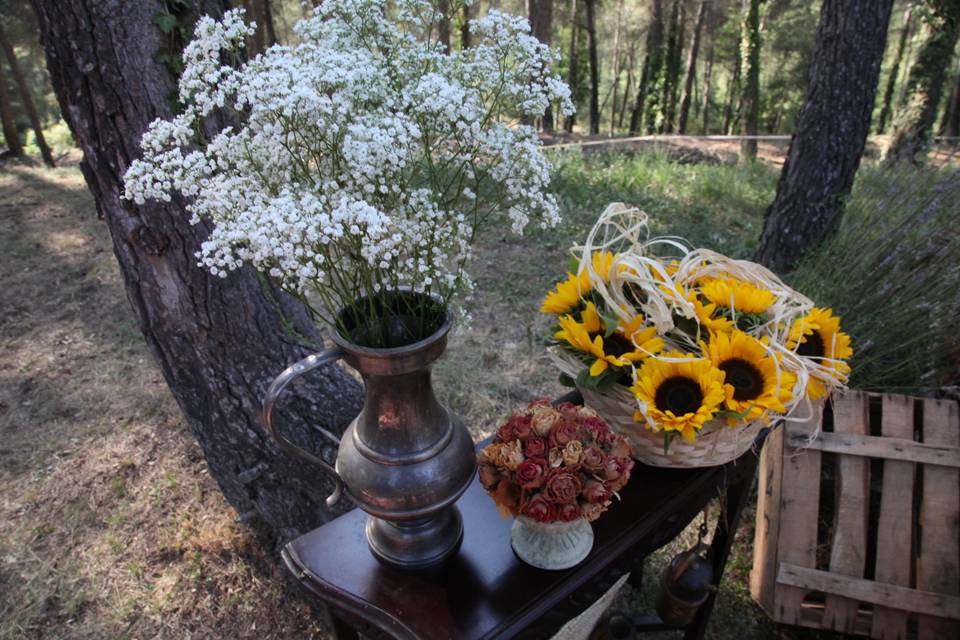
[110,526]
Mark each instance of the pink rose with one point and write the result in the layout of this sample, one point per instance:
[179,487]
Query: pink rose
[535,447]
[521,426]
[532,473]
[595,427]
[505,433]
[621,448]
[543,420]
[596,491]
[563,432]
[594,460]
[568,410]
[568,512]
[562,486]
[539,509]
[617,472]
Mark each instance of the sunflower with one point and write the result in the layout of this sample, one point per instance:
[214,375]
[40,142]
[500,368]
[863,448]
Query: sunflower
[754,384]
[678,396]
[566,296]
[627,344]
[817,336]
[743,296]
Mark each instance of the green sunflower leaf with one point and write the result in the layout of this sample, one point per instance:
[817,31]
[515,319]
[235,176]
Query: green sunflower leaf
[567,381]
[668,437]
[574,265]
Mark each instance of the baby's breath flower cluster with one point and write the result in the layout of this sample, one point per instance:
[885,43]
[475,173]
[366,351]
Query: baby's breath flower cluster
[363,159]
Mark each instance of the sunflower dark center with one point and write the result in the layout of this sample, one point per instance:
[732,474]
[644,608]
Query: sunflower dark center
[678,394]
[746,380]
[812,346]
[615,344]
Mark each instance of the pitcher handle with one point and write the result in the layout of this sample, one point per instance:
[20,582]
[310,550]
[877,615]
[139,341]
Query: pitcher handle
[279,383]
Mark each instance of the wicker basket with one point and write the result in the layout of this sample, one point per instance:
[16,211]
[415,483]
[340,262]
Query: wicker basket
[716,443]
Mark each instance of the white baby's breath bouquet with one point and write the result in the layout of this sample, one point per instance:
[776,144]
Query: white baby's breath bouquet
[362,161]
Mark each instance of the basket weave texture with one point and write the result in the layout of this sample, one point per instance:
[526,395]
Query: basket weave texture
[716,443]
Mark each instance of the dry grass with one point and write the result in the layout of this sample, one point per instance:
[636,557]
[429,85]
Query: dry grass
[110,526]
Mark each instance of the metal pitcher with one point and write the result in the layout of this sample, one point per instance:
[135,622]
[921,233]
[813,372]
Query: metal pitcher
[405,459]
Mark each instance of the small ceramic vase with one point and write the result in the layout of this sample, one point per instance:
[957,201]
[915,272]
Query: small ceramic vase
[551,545]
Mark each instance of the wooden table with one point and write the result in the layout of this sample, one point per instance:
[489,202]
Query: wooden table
[485,591]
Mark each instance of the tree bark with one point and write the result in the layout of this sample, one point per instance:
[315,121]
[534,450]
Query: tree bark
[913,125]
[443,26]
[25,98]
[733,90]
[832,130]
[614,88]
[671,76]
[652,63]
[257,42]
[10,133]
[572,75]
[631,62]
[691,68]
[217,341]
[269,28]
[707,80]
[750,76]
[951,116]
[469,13]
[594,67]
[541,22]
[887,107]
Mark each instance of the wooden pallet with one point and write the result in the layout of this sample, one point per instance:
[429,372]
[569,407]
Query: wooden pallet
[858,528]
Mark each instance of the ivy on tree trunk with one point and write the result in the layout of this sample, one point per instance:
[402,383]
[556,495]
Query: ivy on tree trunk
[217,341]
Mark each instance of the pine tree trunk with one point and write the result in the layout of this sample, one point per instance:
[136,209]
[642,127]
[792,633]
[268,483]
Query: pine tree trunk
[217,341]
[652,60]
[616,69]
[25,98]
[733,90]
[707,80]
[269,29]
[887,107]
[951,116]
[572,76]
[691,68]
[913,125]
[257,42]
[831,132]
[10,133]
[469,13]
[541,22]
[443,27]
[594,67]
[652,115]
[750,76]
[631,62]
[671,76]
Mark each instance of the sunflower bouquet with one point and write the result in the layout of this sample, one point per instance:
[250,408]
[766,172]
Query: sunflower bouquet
[666,341]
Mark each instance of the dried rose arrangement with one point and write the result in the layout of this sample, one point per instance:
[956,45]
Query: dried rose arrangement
[555,464]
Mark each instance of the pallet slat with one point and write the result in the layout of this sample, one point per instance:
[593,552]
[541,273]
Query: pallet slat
[848,548]
[938,566]
[767,531]
[799,502]
[896,517]
[873,447]
[870,591]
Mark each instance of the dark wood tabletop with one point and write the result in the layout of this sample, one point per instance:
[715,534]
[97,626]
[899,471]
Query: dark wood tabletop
[485,591]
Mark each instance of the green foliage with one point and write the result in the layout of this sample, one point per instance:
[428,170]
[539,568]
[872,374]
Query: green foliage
[714,205]
[892,271]
[175,21]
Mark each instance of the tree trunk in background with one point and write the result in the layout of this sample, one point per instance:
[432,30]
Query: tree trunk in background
[671,75]
[541,23]
[616,68]
[652,60]
[691,68]
[10,133]
[950,126]
[217,341]
[832,130]
[443,27]
[25,98]
[269,29]
[887,107]
[733,91]
[631,62]
[572,77]
[750,76]
[469,13]
[594,67]
[707,79]
[913,124]
[257,42]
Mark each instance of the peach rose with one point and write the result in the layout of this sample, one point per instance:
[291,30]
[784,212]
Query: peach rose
[543,420]
[489,476]
[572,453]
[593,510]
[594,459]
[509,456]
[555,457]
[563,432]
[562,486]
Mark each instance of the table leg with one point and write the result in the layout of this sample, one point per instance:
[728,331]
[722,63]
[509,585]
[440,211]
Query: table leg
[736,496]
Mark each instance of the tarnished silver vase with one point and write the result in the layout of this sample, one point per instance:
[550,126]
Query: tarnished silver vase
[405,459]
